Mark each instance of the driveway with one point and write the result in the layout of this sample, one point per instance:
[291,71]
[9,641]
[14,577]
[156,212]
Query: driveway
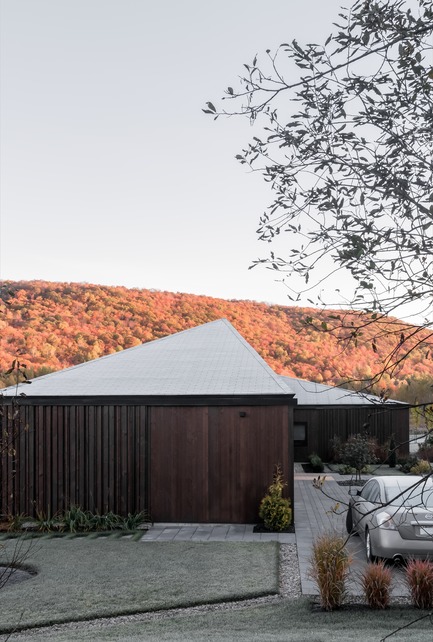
[319,511]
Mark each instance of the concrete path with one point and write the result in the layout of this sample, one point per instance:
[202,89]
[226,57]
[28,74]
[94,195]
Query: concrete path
[213,533]
[316,511]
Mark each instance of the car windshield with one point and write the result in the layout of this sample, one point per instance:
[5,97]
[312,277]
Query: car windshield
[419,495]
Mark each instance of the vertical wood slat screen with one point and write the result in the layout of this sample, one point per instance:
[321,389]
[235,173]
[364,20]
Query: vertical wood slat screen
[324,424]
[91,456]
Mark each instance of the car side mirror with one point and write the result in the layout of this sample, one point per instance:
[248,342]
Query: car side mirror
[354,492]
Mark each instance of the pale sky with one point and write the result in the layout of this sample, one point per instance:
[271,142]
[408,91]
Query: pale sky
[110,171]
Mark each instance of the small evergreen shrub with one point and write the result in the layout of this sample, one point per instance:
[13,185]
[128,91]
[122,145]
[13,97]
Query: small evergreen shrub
[329,568]
[275,510]
[419,580]
[422,467]
[316,463]
[376,585]
[392,454]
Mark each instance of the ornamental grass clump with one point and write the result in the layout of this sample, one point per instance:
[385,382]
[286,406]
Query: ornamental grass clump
[422,467]
[419,580]
[376,583]
[329,568]
[275,510]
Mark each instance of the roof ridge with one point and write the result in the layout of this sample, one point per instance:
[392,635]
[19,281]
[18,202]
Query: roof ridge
[256,355]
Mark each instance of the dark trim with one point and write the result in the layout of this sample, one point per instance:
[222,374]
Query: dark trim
[205,400]
[300,443]
[388,406]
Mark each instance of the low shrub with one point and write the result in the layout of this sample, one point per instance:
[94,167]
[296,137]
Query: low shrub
[329,567]
[406,463]
[343,469]
[336,449]
[419,580]
[422,467]
[376,585]
[275,510]
[381,452]
[316,463]
[425,451]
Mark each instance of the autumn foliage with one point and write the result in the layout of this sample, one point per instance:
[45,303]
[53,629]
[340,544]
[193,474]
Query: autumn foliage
[56,325]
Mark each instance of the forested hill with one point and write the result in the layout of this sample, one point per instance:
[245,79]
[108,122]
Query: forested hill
[55,325]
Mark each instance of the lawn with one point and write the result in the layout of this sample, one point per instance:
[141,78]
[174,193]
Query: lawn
[84,578]
[292,620]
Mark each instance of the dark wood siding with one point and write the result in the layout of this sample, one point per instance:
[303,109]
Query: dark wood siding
[214,465]
[323,424]
[178,468]
[180,463]
[91,456]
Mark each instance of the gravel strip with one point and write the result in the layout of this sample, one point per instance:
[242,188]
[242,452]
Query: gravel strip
[289,587]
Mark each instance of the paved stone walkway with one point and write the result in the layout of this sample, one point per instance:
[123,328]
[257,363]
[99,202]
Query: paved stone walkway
[212,533]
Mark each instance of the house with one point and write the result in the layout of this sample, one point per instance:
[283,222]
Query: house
[324,412]
[188,427]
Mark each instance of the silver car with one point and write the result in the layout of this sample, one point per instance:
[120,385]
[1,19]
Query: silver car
[394,517]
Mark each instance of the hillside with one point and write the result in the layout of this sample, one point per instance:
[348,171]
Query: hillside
[55,325]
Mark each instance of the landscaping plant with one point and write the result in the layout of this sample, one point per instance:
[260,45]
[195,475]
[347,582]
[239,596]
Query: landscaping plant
[419,580]
[76,520]
[392,454]
[316,463]
[376,584]
[406,463]
[275,510]
[358,452]
[329,568]
[422,467]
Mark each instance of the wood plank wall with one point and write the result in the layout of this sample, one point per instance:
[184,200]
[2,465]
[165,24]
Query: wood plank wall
[181,464]
[91,456]
[323,424]
[214,464]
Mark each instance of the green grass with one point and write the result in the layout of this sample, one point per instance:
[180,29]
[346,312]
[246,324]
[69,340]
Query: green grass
[85,578]
[287,620]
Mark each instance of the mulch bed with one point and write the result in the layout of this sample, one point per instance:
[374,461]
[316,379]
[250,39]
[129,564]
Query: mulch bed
[261,528]
[352,482]
[307,468]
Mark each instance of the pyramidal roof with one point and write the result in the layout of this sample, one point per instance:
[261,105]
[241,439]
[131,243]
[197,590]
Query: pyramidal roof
[211,359]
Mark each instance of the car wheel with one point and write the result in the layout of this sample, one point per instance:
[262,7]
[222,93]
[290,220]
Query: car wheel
[349,521]
[368,550]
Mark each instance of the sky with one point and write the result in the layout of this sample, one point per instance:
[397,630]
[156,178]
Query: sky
[110,172]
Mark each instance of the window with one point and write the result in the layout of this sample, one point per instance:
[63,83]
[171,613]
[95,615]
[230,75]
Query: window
[371,492]
[300,434]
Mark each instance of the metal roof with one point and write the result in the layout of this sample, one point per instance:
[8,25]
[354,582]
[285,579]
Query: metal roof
[309,393]
[211,359]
